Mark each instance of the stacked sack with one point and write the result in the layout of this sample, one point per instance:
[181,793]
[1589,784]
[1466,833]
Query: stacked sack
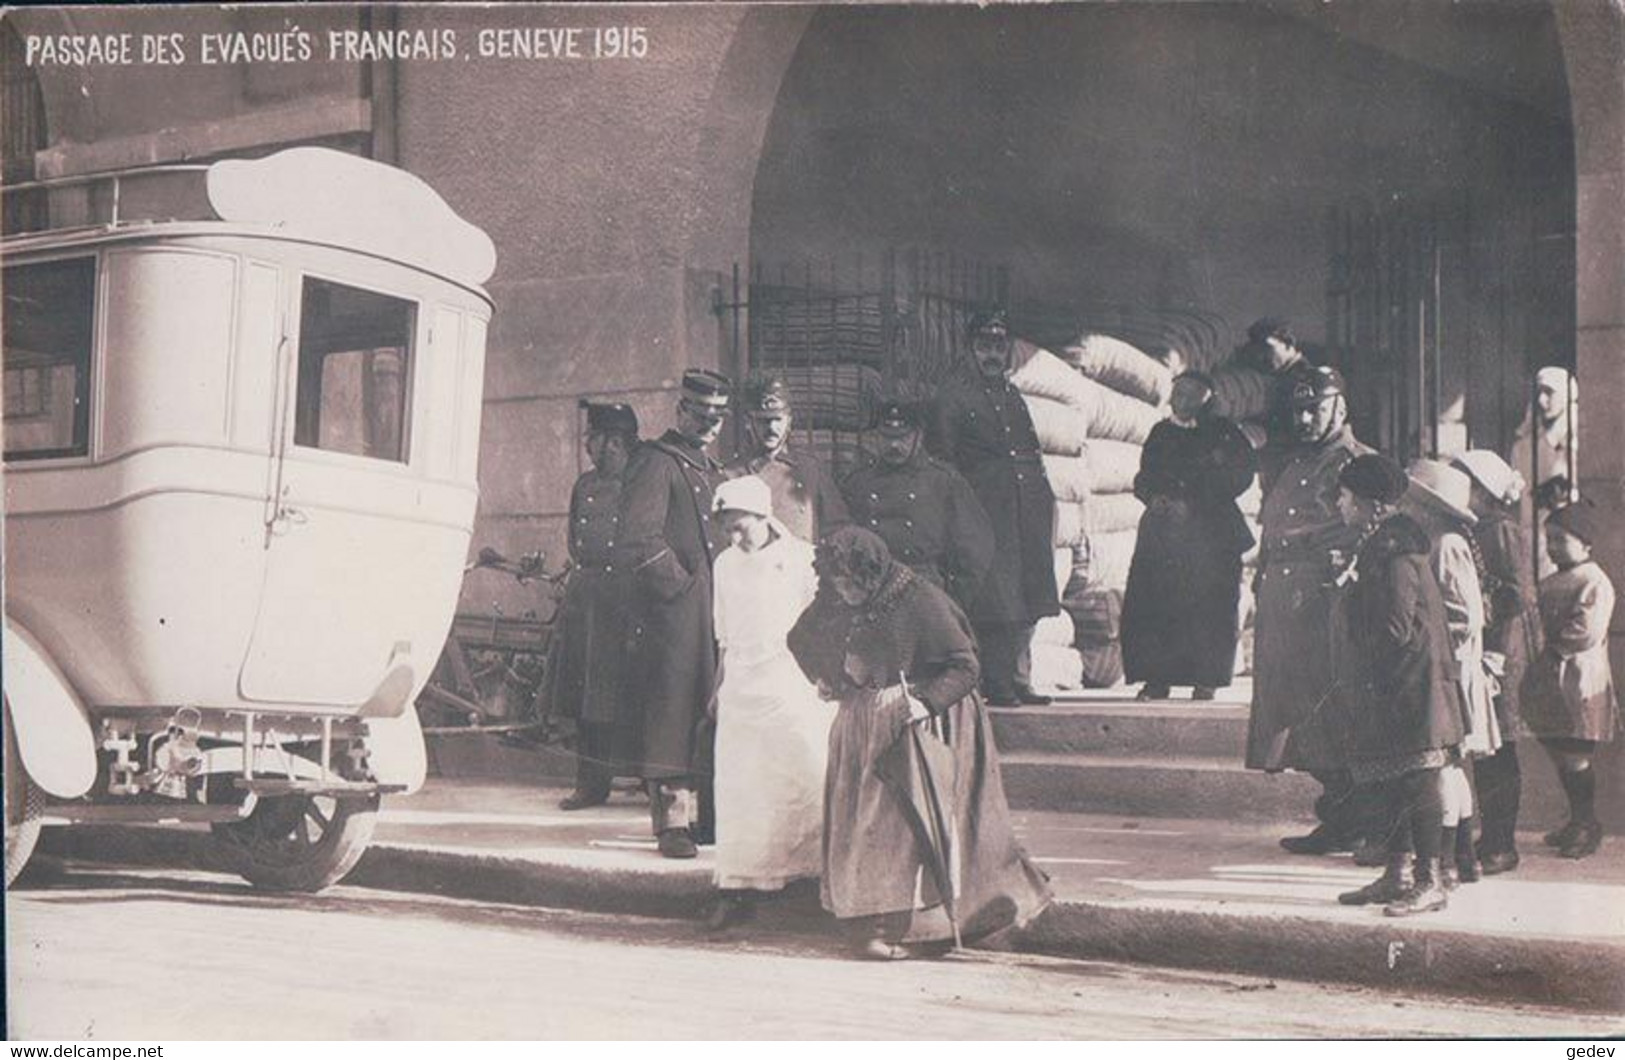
[1093,412]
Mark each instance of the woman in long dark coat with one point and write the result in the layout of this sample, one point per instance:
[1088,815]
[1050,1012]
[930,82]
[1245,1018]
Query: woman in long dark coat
[898,651]
[1512,638]
[1184,584]
[1408,714]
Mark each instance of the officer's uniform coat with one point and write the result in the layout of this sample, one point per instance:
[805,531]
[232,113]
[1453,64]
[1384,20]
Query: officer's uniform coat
[1299,710]
[930,519]
[982,427]
[806,498]
[586,660]
[668,544]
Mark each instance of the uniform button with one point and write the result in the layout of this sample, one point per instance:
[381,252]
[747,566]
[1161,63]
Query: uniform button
[609,568]
[911,496]
[696,489]
[1303,482]
[908,523]
[874,522]
[874,496]
[1292,511]
[589,498]
[1012,452]
[1286,570]
[1019,476]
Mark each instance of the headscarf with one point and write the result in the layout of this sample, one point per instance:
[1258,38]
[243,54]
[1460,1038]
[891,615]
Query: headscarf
[861,555]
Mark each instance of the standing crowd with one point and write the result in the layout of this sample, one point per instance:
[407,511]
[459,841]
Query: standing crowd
[797,668]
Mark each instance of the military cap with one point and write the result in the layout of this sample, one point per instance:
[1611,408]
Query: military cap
[611,418]
[989,322]
[706,389]
[1374,477]
[1316,385]
[898,417]
[1580,519]
[766,395]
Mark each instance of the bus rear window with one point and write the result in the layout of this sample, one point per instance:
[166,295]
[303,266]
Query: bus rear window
[355,370]
[49,331]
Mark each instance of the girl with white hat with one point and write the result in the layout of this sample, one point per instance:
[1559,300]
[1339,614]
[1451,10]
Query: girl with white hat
[1511,639]
[1440,500]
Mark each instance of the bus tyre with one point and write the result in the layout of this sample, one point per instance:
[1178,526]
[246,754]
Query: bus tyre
[299,842]
[25,805]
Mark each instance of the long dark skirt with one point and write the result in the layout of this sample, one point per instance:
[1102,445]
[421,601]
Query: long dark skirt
[1180,606]
[874,864]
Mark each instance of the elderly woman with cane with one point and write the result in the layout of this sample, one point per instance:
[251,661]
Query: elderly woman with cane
[896,652]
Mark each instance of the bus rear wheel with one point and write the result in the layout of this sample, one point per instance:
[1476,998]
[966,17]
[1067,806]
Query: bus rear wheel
[299,842]
[25,805]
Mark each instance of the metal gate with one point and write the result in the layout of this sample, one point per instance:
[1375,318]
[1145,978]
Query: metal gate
[1440,309]
[846,335]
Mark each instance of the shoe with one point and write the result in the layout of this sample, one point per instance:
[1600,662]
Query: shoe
[582,800]
[1028,698]
[1369,855]
[676,843]
[728,910]
[1449,876]
[1562,836]
[881,950]
[1468,869]
[1587,838]
[1495,862]
[1203,692]
[1392,885]
[1427,896]
[704,837]
[1150,691]
[1321,841]
[1001,697]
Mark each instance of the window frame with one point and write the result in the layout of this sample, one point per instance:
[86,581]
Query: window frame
[88,387]
[301,277]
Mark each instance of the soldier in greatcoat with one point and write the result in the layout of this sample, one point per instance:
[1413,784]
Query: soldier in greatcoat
[585,665]
[668,543]
[806,498]
[924,510]
[1299,709]
[982,427]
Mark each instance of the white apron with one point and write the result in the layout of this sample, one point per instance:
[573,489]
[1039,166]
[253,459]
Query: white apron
[772,729]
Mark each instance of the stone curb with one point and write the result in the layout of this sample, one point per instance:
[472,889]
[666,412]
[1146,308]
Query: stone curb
[1403,957]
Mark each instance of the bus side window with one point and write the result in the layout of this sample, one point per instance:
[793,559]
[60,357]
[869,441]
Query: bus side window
[50,310]
[355,371]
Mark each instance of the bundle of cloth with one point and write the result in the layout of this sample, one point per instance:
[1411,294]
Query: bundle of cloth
[1093,407]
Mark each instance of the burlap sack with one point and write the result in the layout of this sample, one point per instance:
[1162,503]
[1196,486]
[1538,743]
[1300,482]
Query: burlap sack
[1104,513]
[1063,569]
[1039,373]
[1107,559]
[1068,477]
[1120,366]
[1055,668]
[1056,630]
[1061,428]
[1112,465]
[1240,393]
[1068,524]
[840,397]
[1123,418]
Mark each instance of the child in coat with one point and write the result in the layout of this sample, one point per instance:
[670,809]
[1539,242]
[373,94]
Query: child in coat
[1569,701]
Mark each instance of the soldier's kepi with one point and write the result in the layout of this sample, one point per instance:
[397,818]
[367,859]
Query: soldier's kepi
[1299,717]
[805,497]
[669,541]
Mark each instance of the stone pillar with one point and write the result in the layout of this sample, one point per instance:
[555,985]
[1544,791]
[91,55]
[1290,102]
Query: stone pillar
[1593,36]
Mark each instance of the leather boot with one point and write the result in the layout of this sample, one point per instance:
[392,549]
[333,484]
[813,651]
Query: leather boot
[1393,884]
[1427,896]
